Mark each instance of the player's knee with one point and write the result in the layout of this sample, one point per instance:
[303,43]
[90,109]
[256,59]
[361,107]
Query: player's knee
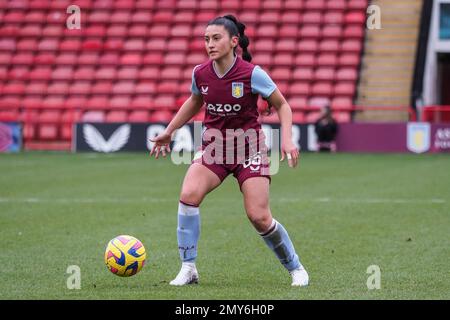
[192,197]
[261,219]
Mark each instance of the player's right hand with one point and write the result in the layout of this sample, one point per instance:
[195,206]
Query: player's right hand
[161,144]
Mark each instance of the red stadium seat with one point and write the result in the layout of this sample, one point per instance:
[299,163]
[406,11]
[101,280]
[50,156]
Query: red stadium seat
[305,59]
[345,89]
[263,59]
[291,17]
[142,102]
[283,59]
[357,4]
[269,17]
[14,88]
[293,5]
[312,117]
[354,46]
[327,60]
[66,59]
[59,88]
[281,74]
[141,16]
[333,17]
[98,102]
[204,16]
[84,73]
[195,59]
[310,31]
[342,117]
[336,5]
[120,102]
[153,58]
[164,102]
[298,102]
[355,17]
[183,16]
[145,88]
[175,59]
[167,87]
[341,102]
[308,46]
[288,31]
[353,31]
[300,88]
[347,74]
[267,31]
[138,116]
[18,73]
[329,46]
[322,89]
[265,45]
[93,116]
[181,30]
[298,117]
[127,73]
[48,131]
[163,17]
[139,30]
[303,74]
[101,87]
[250,16]
[349,59]
[134,45]
[324,73]
[149,73]
[332,31]
[116,116]
[156,44]
[312,17]
[233,5]
[123,87]
[131,59]
[315,4]
[318,102]
[285,45]
[161,116]
[173,73]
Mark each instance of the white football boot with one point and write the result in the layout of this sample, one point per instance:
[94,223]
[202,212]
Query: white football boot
[300,277]
[187,275]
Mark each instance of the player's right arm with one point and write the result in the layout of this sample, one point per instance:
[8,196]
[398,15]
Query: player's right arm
[189,109]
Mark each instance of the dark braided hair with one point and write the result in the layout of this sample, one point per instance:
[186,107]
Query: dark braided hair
[235,28]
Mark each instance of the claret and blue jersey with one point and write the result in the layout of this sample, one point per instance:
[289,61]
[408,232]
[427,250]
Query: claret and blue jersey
[231,98]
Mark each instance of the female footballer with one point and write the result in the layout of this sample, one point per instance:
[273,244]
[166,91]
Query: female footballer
[229,86]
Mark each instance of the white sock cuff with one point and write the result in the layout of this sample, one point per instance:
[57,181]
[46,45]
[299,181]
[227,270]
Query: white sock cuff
[272,229]
[187,210]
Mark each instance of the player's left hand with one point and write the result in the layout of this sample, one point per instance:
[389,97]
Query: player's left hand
[290,151]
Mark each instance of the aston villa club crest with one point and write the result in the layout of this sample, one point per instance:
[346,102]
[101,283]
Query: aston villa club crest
[237,89]
[418,137]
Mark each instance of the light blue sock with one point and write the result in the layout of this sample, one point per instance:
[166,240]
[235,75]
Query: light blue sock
[188,231]
[277,239]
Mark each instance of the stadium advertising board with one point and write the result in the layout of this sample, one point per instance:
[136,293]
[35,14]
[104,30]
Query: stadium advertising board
[112,137]
[10,137]
[353,137]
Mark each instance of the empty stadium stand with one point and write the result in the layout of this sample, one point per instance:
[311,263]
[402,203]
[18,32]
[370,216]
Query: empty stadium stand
[132,60]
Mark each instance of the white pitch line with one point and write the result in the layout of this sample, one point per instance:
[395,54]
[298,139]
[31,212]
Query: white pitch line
[280,200]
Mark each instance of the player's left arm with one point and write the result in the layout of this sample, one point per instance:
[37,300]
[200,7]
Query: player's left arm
[288,148]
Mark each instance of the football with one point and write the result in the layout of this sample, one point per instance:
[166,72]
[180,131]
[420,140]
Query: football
[125,256]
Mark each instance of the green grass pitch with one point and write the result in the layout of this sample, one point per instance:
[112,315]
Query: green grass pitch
[344,213]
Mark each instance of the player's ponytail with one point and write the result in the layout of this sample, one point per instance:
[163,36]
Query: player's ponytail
[235,28]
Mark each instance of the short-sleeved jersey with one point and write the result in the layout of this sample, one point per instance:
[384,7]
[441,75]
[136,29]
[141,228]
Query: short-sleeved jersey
[231,99]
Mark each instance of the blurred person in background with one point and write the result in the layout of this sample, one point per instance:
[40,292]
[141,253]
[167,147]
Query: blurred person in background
[326,129]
